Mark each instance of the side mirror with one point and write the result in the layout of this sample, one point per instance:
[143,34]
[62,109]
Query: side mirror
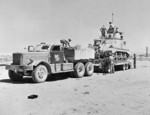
[31,49]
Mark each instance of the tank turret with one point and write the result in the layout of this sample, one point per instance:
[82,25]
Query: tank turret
[111,41]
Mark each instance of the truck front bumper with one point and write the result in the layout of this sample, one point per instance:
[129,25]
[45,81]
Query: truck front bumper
[19,68]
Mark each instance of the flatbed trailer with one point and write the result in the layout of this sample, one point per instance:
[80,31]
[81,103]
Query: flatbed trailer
[122,64]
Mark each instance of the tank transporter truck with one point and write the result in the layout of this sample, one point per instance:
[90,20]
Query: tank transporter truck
[45,59]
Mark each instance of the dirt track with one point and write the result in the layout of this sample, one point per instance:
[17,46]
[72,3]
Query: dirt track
[123,93]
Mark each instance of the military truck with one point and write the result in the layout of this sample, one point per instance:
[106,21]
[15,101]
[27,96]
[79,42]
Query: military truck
[45,59]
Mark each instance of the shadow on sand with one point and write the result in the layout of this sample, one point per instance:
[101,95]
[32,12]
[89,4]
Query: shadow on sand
[50,78]
[28,80]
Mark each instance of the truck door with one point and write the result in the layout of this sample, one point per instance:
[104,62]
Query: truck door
[57,54]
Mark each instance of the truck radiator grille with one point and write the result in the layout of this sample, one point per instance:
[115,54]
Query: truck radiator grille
[17,59]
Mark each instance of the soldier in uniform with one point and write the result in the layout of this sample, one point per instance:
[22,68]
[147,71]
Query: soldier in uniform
[111,64]
[103,31]
[111,30]
[134,61]
[65,43]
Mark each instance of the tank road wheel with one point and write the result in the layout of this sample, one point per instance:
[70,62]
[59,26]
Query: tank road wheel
[79,70]
[40,74]
[89,69]
[14,76]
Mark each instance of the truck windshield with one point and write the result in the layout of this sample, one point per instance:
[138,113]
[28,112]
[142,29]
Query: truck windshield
[42,47]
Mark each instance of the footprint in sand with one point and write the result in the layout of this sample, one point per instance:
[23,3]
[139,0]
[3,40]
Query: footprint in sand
[85,93]
[86,86]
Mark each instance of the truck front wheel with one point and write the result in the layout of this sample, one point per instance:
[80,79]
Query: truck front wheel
[14,76]
[89,69]
[40,74]
[79,70]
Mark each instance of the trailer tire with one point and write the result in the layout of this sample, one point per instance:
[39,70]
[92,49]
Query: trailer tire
[79,70]
[129,66]
[108,70]
[126,66]
[14,76]
[123,67]
[89,69]
[40,74]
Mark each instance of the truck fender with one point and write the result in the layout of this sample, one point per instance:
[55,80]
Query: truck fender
[47,66]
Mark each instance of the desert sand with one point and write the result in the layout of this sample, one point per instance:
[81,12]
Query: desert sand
[122,93]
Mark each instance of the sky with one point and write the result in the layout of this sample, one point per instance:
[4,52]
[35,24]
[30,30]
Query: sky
[30,22]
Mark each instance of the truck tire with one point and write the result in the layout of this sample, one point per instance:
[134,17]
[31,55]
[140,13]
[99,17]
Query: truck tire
[14,76]
[40,74]
[79,70]
[89,69]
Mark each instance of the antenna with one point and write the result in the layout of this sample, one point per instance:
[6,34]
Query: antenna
[112,17]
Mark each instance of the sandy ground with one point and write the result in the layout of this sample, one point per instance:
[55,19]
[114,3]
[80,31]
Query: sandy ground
[123,93]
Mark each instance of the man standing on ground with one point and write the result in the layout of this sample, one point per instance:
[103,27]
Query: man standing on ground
[111,65]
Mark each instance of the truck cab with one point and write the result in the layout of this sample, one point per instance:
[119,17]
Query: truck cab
[57,54]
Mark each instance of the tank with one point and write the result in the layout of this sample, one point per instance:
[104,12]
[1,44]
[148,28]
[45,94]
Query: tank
[111,41]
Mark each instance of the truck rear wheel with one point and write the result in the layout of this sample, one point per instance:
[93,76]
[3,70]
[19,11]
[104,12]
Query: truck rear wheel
[89,69]
[40,74]
[79,70]
[14,76]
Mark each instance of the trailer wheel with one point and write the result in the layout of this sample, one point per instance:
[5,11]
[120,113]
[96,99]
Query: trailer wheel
[79,70]
[123,67]
[40,74]
[108,70]
[127,66]
[89,69]
[14,76]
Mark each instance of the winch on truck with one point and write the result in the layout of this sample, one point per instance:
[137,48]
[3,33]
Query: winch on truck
[46,59]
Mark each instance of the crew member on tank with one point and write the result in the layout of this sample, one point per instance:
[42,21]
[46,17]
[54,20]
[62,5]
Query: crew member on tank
[121,35]
[117,33]
[103,31]
[111,29]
